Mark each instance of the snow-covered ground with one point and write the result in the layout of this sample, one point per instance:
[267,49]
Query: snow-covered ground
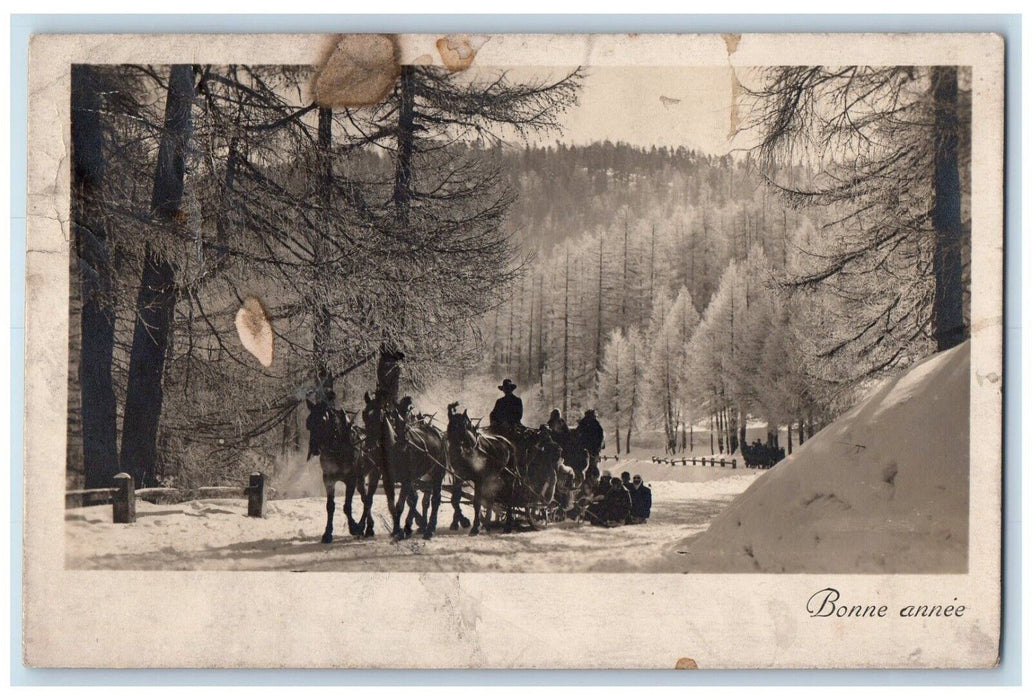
[883,489]
[216,534]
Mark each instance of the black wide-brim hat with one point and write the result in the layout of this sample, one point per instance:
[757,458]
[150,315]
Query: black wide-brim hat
[507,385]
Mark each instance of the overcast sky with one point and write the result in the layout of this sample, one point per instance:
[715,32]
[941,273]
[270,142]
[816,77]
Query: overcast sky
[645,106]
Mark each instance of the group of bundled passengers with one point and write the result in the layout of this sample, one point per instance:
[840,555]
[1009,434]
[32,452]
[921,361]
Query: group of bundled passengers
[602,499]
[577,486]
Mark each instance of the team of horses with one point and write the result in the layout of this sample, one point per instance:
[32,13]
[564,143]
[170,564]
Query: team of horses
[527,470]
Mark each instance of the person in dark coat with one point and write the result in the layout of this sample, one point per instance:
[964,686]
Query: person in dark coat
[617,503]
[641,500]
[557,425]
[507,414]
[592,434]
[601,502]
[388,375]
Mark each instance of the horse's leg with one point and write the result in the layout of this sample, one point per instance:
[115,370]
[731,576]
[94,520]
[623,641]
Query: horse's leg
[349,494]
[489,514]
[456,502]
[410,497]
[435,503]
[399,511]
[417,507]
[367,503]
[475,530]
[393,507]
[427,495]
[330,484]
[415,514]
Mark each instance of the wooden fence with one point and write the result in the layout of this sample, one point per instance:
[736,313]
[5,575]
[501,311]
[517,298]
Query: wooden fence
[695,461]
[122,496]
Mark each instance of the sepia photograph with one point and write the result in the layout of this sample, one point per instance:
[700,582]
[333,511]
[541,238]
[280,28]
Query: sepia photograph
[411,307]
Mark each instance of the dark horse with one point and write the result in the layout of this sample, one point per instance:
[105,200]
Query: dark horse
[338,444]
[541,480]
[408,453]
[574,447]
[480,458]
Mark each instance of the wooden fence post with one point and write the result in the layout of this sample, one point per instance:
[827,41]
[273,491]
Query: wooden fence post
[256,496]
[124,503]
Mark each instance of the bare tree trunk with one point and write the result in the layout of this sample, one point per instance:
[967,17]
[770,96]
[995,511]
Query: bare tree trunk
[321,325]
[948,306]
[616,401]
[668,404]
[97,317]
[509,345]
[406,144]
[530,336]
[623,296]
[598,327]
[647,309]
[634,401]
[790,437]
[496,351]
[222,218]
[158,293]
[784,238]
[566,337]
[541,323]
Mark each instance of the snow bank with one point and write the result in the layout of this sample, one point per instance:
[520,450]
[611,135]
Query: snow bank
[884,489]
[217,534]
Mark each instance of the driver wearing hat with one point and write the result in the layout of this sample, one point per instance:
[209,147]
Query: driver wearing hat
[508,410]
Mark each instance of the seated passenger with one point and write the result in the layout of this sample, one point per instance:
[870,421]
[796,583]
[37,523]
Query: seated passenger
[641,501]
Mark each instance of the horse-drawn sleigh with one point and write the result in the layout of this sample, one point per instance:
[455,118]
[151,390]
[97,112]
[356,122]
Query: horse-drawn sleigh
[521,476]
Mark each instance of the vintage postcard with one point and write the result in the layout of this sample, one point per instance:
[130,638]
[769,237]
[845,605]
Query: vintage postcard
[597,351]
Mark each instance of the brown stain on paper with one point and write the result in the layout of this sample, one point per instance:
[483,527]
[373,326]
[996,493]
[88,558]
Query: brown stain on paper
[360,71]
[255,330]
[458,50]
[686,663]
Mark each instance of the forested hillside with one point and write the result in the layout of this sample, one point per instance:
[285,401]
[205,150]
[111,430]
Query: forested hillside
[669,289]
[631,247]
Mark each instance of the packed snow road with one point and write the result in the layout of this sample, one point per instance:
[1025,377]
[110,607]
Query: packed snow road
[216,534]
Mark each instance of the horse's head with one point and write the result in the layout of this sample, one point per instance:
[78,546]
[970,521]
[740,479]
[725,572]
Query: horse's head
[329,429]
[378,426]
[320,426]
[545,451]
[460,431]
